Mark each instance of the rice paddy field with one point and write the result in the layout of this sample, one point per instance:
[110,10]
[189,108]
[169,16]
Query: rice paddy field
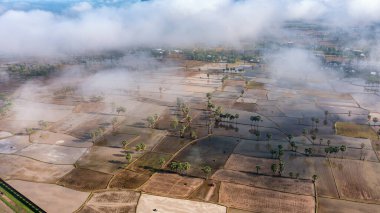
[94,154]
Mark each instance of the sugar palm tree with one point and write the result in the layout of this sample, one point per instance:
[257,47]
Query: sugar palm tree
[281,167]
[269,136]
[207,171]
[128,157]
[362,145]
[343,149]
[258,167]
[314,177]
[161,161]
[274,168]
[375,120]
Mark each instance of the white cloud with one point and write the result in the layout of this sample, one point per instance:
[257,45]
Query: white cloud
[82,6]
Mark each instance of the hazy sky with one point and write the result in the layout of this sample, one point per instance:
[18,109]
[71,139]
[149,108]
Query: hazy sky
[50,28]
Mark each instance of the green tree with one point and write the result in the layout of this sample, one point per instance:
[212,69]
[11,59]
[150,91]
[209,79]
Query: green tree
[258,167]
[207,171]
[314,177]
[274,168]
[128,157]
[174,123]
[343,148]
[121,109]
[161,161]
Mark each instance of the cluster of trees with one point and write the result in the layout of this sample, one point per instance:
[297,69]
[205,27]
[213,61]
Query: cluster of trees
[278,168]
[335,150]
[212,56]
[140,147]
[185,123]
[152,121]
[179,167]
[278,153]
[33,69]
[97,134]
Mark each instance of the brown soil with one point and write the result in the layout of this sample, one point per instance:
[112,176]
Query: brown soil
[208,191]
[127,179]
[85,180]
[358,180]
[22,168]
[171,185]
[171,144]
[149,162]
[294,186]
[262,200]
[327,205]
[112,201]
[249,107]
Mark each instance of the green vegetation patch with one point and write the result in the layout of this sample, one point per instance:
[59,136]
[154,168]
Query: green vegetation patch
[15,201]
[355,130]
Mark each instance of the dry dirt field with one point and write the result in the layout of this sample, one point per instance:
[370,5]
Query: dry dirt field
[289,185]
[326,205]
[22,168]
[170,205]
[171,185]
[53,153]
[127,179]
[112,201]
[53,138]
[13,144]
[357,180]
[50,197]
[150,161]
[85,180]
[103,159]
[262,200]
[208,191]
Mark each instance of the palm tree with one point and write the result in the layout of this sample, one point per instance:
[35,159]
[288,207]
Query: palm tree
[120,109]
[257,134]
[320,141]
[328,142]
[252,118]
[182,130]
[343,149]
[281,167]
[258,167]
[174,123]
[327,150]
[362,145]
[186,166]
[269,136]
[236,117]
[292,144]
[314,177]
[128,157]
[291,174]
[207,171]
[274,168]
[297,175]
[273,152]
[375,120]
[161,162]
[313,137]
[290,137]
[173,166]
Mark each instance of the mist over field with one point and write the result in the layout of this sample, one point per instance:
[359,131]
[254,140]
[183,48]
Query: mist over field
[81,27]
